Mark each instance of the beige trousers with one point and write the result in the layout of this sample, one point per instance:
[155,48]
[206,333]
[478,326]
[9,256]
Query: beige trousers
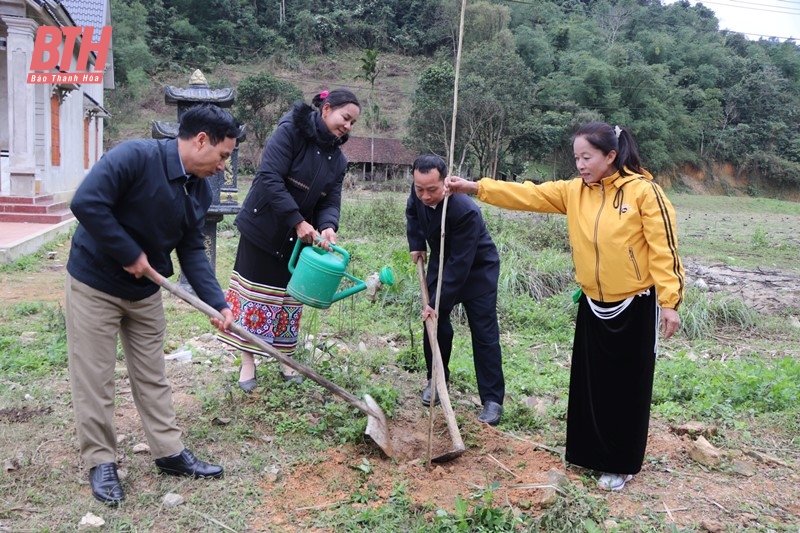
[94,321]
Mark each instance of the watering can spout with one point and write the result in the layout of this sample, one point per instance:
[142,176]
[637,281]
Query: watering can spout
[376,280]
[317,273]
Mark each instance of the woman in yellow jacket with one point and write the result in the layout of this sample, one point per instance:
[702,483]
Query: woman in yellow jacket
[624,246]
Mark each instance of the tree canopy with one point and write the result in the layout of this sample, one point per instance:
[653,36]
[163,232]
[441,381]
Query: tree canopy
[532,71]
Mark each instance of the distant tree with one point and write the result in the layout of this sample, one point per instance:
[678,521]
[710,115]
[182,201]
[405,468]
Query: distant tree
[429,123]
[422,26]
[370,69]
[496,88]
[540,137]
[535,50]
[261,99]
[506,91]
[786,57]
[131,37]
[611,17]
[483,22]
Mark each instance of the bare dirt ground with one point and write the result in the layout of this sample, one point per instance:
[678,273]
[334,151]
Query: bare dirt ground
[769,291]
[752,489]
[670,484]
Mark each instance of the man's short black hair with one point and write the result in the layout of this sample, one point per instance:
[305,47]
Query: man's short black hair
[215,121]
[427,162]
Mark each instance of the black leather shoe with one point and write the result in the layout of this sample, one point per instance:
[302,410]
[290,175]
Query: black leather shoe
[426,395]
[105,484]
[186,464]
[492,411]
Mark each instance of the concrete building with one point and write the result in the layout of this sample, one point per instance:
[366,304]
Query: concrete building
[50,134]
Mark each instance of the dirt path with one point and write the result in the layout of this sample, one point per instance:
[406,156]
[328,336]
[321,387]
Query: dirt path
[44,286]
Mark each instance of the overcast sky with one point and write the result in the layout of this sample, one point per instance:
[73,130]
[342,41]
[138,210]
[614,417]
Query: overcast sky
[758,18]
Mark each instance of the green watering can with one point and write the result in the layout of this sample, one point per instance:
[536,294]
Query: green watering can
[316,274]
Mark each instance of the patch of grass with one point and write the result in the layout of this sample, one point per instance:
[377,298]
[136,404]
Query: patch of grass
[575,510]
[182,323]
[36,261]
[412,359]
[27,263]
[551,317]
[480,513]
[535,231]
[33,339]
[703,312]
[741,231]
[760,238]
[397,515]
[518,417]
[360,217]
[538,274]
[723,390]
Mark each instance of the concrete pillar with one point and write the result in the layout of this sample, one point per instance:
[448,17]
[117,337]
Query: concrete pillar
[21,161]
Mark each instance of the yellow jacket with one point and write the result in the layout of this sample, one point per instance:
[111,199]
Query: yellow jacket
[621,230]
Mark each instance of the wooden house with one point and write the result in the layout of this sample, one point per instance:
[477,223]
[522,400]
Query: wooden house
[378,159]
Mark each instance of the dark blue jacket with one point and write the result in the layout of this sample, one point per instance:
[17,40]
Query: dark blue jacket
[299,178]
[471,263]
[137,199]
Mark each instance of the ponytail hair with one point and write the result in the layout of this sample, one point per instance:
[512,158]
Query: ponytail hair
[335,98]
[607,138]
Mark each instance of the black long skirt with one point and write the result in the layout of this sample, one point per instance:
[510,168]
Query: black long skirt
[611,386]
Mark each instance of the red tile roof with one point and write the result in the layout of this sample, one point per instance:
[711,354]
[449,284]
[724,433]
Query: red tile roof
[387,151]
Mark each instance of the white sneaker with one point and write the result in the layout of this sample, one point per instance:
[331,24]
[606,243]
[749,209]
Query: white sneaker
[613,481]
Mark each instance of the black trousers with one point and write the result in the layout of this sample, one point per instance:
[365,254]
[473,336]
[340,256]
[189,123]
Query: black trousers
[486,355]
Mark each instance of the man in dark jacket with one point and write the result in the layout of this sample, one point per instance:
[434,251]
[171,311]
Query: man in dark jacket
[471,270]
[141,201]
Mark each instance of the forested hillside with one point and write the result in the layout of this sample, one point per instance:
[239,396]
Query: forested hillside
[531,71]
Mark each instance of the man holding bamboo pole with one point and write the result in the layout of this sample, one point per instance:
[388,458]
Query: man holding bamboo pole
[470,274]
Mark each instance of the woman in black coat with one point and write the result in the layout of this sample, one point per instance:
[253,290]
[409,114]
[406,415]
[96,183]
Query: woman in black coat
[296,194]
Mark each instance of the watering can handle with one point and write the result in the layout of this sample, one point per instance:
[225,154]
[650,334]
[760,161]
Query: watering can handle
[299,246]
[342,252]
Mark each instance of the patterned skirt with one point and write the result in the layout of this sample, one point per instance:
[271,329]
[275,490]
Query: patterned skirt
[257,296]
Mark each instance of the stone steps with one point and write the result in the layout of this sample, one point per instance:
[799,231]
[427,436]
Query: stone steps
[39,209]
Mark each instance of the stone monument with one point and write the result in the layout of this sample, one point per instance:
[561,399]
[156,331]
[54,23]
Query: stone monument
[223,184]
